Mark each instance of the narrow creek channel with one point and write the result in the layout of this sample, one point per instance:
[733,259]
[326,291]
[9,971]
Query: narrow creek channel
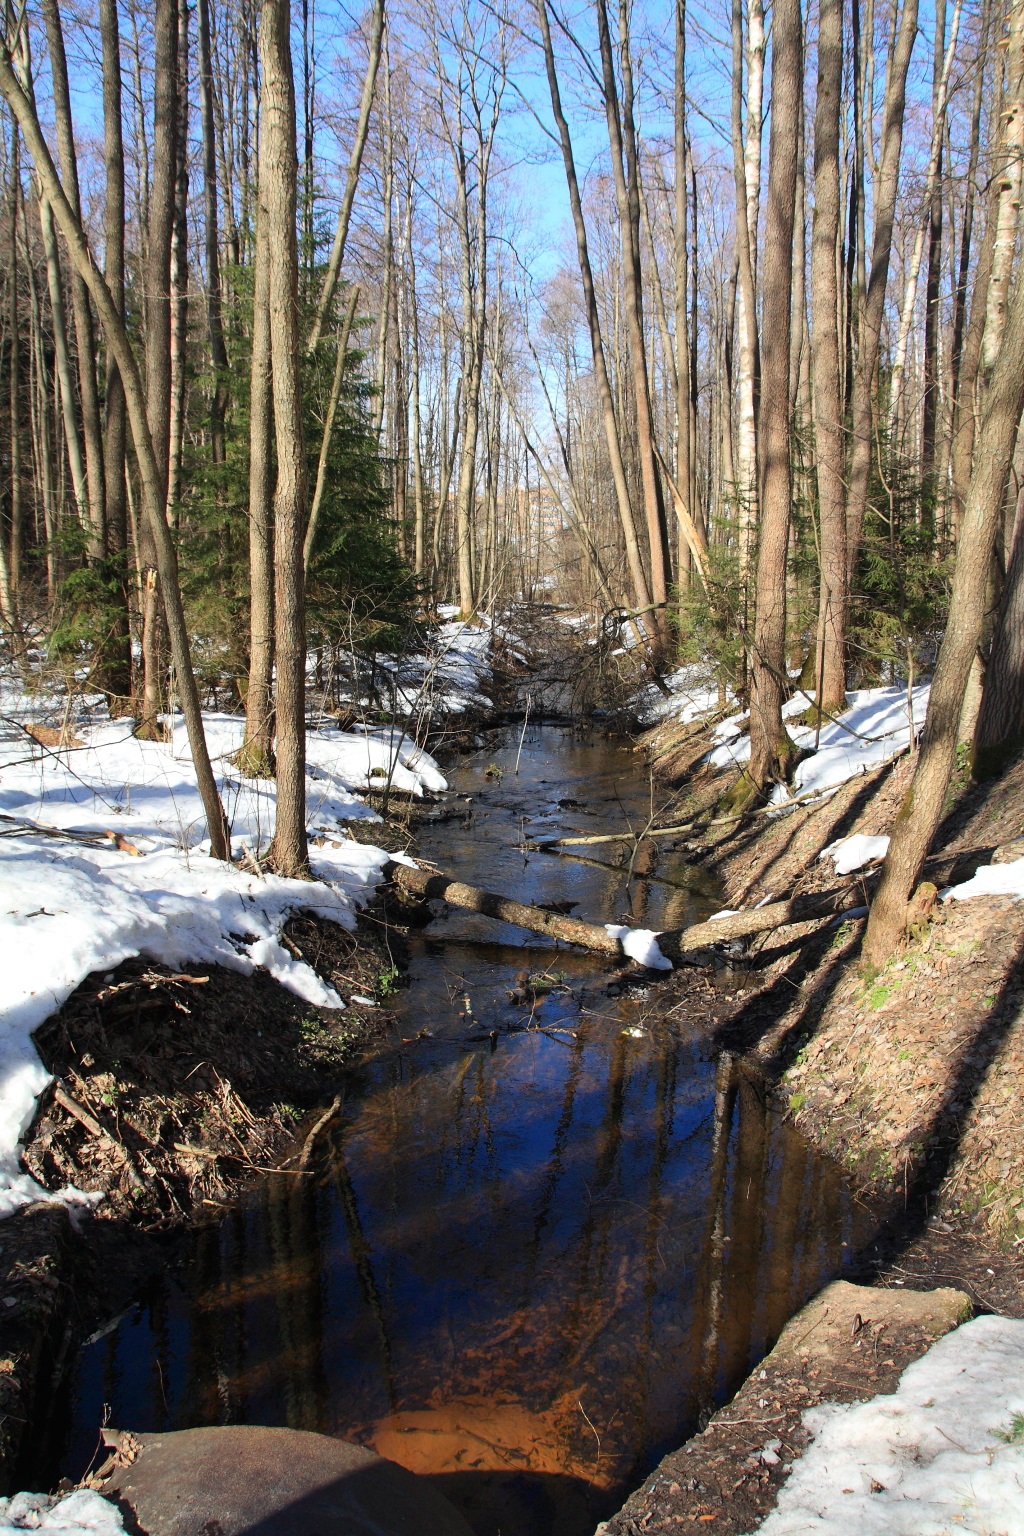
[548,1234]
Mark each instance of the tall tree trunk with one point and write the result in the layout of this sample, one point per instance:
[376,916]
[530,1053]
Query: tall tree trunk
[277,195]
[152,485]
[770,747]
[833,596]
[55,290]
[999,735]
[932,315]
[747,174]
[179,279]
[211,213]
[257,755]
[622,138]
[872,306]
[116,676]
[921,811]
[351,178]
[159,304]
[638,576]
[88,392]
[956,357]
[10,563]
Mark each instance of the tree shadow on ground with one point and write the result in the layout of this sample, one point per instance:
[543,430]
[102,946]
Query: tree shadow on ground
[976,1056]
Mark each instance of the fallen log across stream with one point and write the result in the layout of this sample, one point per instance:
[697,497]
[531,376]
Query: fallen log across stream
[677,945]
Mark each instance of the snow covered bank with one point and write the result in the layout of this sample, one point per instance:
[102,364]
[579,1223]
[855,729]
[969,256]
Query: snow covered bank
[692,694]
[873,729]
[943,1453]
[990,880]
[450,676]
[135,879]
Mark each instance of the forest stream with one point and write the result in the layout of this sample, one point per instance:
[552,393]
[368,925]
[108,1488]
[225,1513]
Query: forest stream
[550,1231]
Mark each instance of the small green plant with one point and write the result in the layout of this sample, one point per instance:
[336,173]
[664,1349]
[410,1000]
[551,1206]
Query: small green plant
[388,980]
[797,1101]
[879,994]
[492,771]
[1015,1434]
[903,1055]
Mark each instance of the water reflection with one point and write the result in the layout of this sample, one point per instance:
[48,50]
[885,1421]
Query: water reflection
[542,1263]
[525,1269]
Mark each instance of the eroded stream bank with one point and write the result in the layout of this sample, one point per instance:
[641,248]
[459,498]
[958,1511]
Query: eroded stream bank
[550,1230]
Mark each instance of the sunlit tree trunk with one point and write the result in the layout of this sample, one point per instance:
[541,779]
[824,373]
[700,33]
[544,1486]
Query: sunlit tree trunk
[770,747]
[278,196]
[921,811]
[829,443]
[160,237]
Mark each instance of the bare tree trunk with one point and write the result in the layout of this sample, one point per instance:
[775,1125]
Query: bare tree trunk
[638,577]
[999,735]
[932,315]
[79,298]
[153,496]
[684,424]
[160,237]
[116,673]
[921,812]
[10,564]
[218,350]
[329,418]
[257,755]
[869,327]
[747,174]
[833,596]
[770,747]
[1007,183]
[352,177]
[179,279]
[277,195]
[947,456]
[622,138]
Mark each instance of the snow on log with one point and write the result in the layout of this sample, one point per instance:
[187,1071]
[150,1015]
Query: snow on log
[674,945]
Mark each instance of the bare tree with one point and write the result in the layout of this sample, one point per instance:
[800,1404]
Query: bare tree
[770,747]
[277,199]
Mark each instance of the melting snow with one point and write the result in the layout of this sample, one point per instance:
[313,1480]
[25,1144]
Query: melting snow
[70,907]
[990,880]
[942,1454]
[641,945]
[80,1513]
[872,729]
[851,853]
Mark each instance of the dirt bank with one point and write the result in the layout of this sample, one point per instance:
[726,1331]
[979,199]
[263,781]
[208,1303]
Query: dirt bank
[172,1093]
[847,1345]
[913,1081]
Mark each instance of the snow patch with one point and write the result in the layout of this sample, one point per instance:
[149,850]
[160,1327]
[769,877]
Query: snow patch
[990,880]
[73,905]
[873,729]
[851,853]
[938,1455]
[80,1513]
[641,945]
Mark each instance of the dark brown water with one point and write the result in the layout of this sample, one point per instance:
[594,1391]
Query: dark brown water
[527,1263]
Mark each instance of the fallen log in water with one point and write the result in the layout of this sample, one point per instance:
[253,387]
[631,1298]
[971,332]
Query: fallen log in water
[430,884]
[676,945]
